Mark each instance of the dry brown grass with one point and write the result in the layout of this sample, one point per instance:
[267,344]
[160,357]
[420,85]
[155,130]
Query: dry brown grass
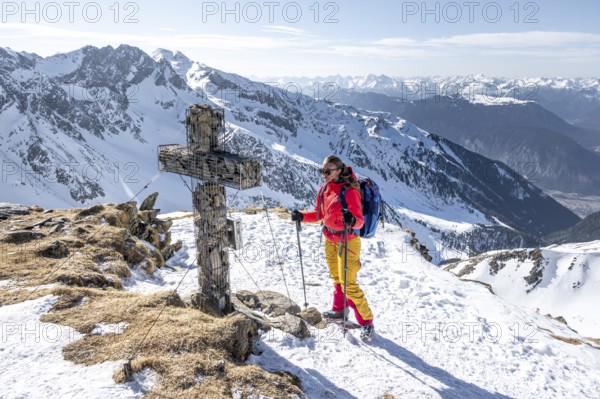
[278,211]
[194,354]
[281,212]
[92,254]
[252,210]
[572,341]
[10,297]
[202,375]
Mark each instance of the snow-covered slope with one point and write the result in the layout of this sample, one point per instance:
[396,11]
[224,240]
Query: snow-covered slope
[561,280]
[83,127]
[437,336]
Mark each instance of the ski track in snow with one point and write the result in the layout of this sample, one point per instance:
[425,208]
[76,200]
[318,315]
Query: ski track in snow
[437,336]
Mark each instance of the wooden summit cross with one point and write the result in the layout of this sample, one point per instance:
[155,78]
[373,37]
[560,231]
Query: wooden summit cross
[211,169]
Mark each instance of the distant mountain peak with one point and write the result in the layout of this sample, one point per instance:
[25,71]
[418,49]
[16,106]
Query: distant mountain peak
[169,55]
[186,68]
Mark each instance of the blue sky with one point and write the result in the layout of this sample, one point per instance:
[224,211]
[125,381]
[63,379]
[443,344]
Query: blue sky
[310,38]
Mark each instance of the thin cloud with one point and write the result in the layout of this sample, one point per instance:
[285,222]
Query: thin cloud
[207,41]
[528,44]
[286,30]
[275,38]
[296,49]
[383,52]
[396,41]
[520,39]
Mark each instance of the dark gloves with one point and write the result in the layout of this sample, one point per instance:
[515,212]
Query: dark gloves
[297,216]
[348,217]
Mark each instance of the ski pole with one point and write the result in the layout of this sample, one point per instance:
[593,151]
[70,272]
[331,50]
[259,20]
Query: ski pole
[298,229]
[345,234]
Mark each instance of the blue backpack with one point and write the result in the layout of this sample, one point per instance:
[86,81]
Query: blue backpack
[372,206]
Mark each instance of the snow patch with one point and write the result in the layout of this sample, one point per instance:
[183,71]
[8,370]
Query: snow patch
[104,329]
[144,381]
[492,101]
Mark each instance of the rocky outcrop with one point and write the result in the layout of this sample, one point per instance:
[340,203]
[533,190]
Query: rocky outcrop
[420,248]
[89,247]
[7,210]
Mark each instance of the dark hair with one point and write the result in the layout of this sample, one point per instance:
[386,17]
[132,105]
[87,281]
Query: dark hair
[345,175]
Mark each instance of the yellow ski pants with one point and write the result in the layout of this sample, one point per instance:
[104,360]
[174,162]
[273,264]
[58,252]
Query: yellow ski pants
[355,296]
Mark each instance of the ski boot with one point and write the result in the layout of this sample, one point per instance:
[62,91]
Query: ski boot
[367,333]
[333,315]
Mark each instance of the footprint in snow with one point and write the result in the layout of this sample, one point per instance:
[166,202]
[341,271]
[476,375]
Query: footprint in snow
[448,302]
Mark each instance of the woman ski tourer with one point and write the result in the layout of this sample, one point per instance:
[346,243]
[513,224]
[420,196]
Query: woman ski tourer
[338,179]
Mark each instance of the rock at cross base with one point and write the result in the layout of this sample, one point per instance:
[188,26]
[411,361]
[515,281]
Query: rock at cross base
[248,298]
[312,316]
[292,325]
[275,304]
[285,322]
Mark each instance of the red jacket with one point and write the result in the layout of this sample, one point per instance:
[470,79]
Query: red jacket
[329,209]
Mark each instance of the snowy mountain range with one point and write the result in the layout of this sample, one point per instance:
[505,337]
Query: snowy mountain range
[573,99]
[83,127]
[538,144]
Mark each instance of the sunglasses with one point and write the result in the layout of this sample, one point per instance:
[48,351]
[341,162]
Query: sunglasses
[327,172]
